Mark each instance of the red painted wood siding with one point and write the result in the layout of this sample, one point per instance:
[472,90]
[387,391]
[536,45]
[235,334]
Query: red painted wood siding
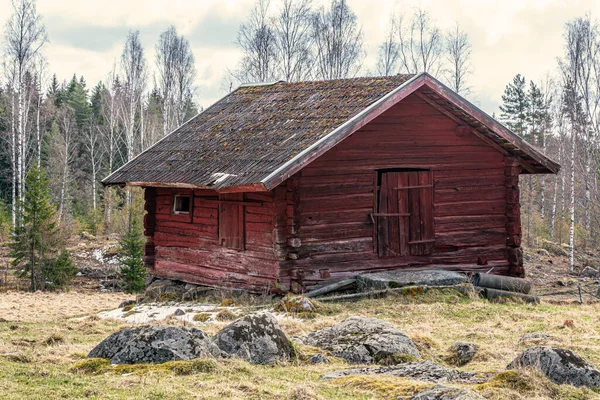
[187,247]
[336,195]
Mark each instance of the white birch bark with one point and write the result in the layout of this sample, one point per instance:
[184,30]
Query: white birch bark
[572,210]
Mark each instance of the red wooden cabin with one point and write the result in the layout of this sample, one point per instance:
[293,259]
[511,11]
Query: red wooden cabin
[289,184]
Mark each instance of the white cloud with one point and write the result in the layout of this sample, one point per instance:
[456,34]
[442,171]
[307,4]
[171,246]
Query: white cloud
[509,36]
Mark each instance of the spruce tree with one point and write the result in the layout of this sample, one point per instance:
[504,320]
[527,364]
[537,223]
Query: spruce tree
[133,271]
[538,115]
[515,106]
[35,242]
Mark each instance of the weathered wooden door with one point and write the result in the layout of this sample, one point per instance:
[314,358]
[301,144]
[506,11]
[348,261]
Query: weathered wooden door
[404,217]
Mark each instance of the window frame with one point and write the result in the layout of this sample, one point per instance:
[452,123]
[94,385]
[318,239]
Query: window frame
[178,196]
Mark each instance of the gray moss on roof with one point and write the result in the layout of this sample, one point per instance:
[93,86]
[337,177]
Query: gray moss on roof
[248,134]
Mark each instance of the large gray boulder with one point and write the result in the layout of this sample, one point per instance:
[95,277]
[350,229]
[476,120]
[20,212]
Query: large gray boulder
[155,344]
[361,340]
[440,392]
[559,365]
[257,338]
[426,371]
[399,278]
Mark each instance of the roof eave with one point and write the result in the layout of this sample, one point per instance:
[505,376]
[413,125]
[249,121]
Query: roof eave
[309,154]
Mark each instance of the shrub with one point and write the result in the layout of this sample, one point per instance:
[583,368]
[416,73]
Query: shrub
[59,271]
[36,240]
[133,271]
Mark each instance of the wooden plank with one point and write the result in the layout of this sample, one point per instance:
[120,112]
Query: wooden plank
[403,207]
[492,207]
[394,220]
[231,221]
[415,214]
[383,240]
[426,209]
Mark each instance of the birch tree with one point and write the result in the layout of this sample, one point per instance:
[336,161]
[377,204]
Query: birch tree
[338,41]
[389,50]
[176,72]
[256,38]
[421,44]
[24,36]
[133,65]
[458,54]
[293,40]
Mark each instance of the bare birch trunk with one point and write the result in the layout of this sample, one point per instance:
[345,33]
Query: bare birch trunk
[63,186]
[39,129]
[13,163]
[555,196]
[572,229]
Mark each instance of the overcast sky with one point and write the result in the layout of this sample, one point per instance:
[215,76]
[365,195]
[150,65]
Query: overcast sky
[508,36]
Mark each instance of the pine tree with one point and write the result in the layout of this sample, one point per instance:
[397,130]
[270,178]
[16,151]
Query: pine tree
[537,115]
[133,271]
[35,241]
[515,107]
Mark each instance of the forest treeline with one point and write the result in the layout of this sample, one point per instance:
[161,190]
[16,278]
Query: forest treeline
[79,132]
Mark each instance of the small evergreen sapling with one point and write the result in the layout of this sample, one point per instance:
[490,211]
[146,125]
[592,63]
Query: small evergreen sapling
[35,242]
[133,271]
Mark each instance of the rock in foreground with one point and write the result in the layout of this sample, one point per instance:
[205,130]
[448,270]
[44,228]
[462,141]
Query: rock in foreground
[257,338]
[394,279]
[426,371]
[463,352]
[559,365]
[361,340]
[440,392]
[155,344]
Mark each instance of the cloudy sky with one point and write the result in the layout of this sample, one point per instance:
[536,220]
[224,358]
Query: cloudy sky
[508,36]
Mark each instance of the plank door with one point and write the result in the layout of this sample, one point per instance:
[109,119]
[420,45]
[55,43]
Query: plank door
[231,221]
[404,216]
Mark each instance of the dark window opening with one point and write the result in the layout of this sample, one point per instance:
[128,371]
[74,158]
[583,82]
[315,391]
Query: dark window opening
[181,204]
[404,213]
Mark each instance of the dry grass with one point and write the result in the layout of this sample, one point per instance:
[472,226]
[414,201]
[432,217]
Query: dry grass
[32,366]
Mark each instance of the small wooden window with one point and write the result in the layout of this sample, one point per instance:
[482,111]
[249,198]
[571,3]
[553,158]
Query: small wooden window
[404,217]
[182,204]
[231,221]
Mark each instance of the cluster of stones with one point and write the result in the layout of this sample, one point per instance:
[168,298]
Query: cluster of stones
[259,339]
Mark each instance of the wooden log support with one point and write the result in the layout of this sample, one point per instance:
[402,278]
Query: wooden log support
[512,170]
[149,227]
[294,242]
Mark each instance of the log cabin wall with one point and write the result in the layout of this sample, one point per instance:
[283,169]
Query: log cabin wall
[190,247]
[331,223]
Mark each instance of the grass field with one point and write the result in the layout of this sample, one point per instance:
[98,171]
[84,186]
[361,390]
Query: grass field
[41,343]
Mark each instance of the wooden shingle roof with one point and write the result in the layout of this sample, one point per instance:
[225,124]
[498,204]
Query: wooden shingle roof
[259,135]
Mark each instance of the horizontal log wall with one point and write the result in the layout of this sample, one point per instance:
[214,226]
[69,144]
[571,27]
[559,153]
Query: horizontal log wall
[336,195]
[186,247]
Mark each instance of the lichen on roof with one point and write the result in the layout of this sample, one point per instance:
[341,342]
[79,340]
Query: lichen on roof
[252,131]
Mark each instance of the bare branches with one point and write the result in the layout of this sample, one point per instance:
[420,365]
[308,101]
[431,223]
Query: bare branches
[417,45]
[389,51]
[24,37]
[176,72]
[458,55]
[293,40]
[338,42]
[257,40]
[133,65]
[421,44]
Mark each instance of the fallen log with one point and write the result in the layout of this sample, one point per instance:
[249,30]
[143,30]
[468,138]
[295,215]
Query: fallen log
[462,289]
[495,294]
[500,282]
[346,283]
